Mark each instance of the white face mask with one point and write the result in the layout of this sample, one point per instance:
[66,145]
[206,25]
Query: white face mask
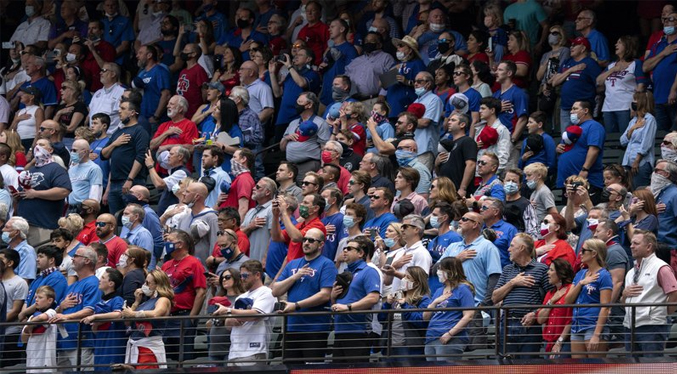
[436,27]
[442,276]
[400,55]
[70,57]
[122,262]
[407,285]
[147,291]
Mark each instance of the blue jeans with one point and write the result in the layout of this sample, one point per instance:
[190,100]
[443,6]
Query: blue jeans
[665,116]
[172,337]
[649,338]
[564,119]
[520,339]
[115,202]
[643,178]
[405,351]
[616,121]
[444,352]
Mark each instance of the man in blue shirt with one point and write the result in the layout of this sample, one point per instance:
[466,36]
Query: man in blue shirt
[338,56]
[492,213]
[663,187]
[133,231]
[428,41]
[244,34]
[585,157]
[427,133]
[381,200]
[351,330]
[482,267]
[154,80]
[585,25]
[16,230]
[308,283]
[546,156]
[83,295]
[662,63]
[140,195]
[514,101]
[86,176]
[118,29]
[333,221]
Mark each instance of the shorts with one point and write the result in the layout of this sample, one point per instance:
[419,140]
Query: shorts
[586,335]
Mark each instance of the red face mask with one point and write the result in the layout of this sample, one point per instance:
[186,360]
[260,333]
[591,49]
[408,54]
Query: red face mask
[326,157]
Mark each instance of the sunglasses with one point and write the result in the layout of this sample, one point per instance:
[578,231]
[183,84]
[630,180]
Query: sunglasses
[244,275]
[484,207]
[466,219]
[458,73]
[311,240]
[349,248]
[482,163]
[307,183]
[227,277]
[585,250]
[101,224]
[374,197]
[352,182]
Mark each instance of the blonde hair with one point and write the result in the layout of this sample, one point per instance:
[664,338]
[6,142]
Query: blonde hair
[494,10]
[163,285]
[14,143]
[537,168]
[600,249]
[397,226]
[421,288]
[563,39]
[72,222]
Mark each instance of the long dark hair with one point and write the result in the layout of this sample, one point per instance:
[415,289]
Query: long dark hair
[237,282]
[229,114]
[483,72]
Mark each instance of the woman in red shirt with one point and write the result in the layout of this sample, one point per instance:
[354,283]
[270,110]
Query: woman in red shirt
[518,52]
[557,321]
[477,44]
[554,244]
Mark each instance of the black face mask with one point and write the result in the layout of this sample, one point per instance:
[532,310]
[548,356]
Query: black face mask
[299,108]
[443,48]
[184,57]
[369,47]
[167,32]
[242,23]
[604,197]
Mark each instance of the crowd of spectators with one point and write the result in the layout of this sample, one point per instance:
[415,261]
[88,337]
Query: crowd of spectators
[423,160]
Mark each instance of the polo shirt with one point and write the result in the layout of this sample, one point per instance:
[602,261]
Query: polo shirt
[365,281]
[427,138]
[586,318]
[504,234]
[28,264]
[107,100]
[260,96]
[31,32]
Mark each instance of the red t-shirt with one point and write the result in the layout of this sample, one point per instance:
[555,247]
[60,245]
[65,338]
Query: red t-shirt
[316,38]
[360,135]
[20,159]
[295,249]
[519,58]
[186,137]
[116,247]
[91,67]
[186,276]
[479,56]
[242,244]
[189,86]
[344,178]
[242,186]
[88,234]
[562,250]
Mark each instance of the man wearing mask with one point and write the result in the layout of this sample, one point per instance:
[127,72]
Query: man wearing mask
[128,147]
[339,54]
[406,156]
[153,79]
[307,282]
[300,81]
[244,34]
[35,29]
[366,69]
[333,220]
[212,158]
[117,29]
[170,36]
[191,78]
[258,220]
[105,101]
[203,222]
[176,164]
[99,53]
[218,20]
[132,230]
[89,210]
[240,195]
[141,196]
[427,130]
[428,40]
[179,130]
[340,93]
[305,136]
[14,235]
[42,204]
[413,226]
[149,31]
[352,118]
[86,176]
[663,187]
[106,226]
[661,64]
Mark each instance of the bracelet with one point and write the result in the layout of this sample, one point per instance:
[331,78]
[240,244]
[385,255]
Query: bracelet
[350,307]
[297,306]
[130,180]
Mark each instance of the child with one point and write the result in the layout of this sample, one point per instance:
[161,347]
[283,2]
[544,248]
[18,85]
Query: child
[542,198]
[41,339]
[110,342]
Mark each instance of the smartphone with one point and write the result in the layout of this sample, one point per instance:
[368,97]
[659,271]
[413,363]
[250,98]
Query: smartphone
[390,260]
[491,45]
[12,189]
[7,45]
[280,305]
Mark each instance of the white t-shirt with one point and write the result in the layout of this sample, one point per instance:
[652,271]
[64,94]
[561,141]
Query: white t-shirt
[26,128]
[620,87]
[252,337]
[17,289]
[41,348]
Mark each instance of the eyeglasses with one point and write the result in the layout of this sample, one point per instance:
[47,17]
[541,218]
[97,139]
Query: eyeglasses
[101,224]
[458,73]
[227,277]
[311,240]
[349,248]
[406,226]
[297,45]
[442,41]
[482,162]
[305,183]
[77,255]
[374,197]
[222,233]
[352,182]
[484,207]
[669,19]
[258,187]
[420,81]
[585,250]
[75,150]
[466,219]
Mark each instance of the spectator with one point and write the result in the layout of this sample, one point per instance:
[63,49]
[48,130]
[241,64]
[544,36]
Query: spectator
[588,330]
[463,155]
[149,349]
[489,185]
[131,265]
[244,34]
[659,63]
[585,25]
[257,222]
[585,157]
[375,164]
[128,147]
[212,158]
[463,78]
[664,189]
[427,131]
[109,345]
[35,29]
[312,183]
[153,79]
[412,232]
[307,334]
[353,221]
[381,199]
[402,93]
[140,195]
[557,321]
[228,219]
[27,121]
[191,78]
[550,63]
[176,168]
[523,282]
[349,159]
[250,336]
[240,195]
[149,25]
[406,182]
[71,112]
[186,275]
[48,262]
[226,116]
[528,15]
[45,343]
[518,209]
[201,221]
[492,214]
[641,214]
[286,176]
[76,347]
[577,76]
[656,285]
[351,117]
[364,71]
[89,210]
[8,159]
[62,239]
[228,243]
[98,53]
[99,125]
[230,287]
[211,14]
[447,334]
[260,94]
[541,197]
[15,291]
[101,259]
[333,220]
[380,125]
[14,235]
[204,118]
[253,132]
[363,292]
[639,157]
[86,177]
[621,80]
[106,226]
[170,28]
[133,231]
[553,245]
[513,111]
[36,71]
[305,152]
[335,58]
[51,135]
[179,130]
[117,29]
[440,218]
[497,142]
[546,154]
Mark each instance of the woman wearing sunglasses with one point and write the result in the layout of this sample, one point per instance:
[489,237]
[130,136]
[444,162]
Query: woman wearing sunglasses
[592,285]
[229,287]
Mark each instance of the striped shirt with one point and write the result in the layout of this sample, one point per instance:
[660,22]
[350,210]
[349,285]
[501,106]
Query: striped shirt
[520,295]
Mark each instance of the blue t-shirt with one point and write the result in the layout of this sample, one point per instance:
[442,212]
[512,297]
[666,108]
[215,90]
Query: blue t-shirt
[520,106]
[323,276]
[97,146]
[400,96]
[348,54]
[586,318]
[580,85]
[83,177]
[332,241]
[546,156]
[27,268]
[436,248]
[505,232]
[291,91]
[153,82]
[664,72]
[55,279]
[219,22]
[474,99]
[384,130]
[599,45]
[234,39]
[667,221]
[365,281]
[380,223]
[571,162]
[88,295]
[111,341]
[277,251]
[443,321]
[47,89]
[41,212]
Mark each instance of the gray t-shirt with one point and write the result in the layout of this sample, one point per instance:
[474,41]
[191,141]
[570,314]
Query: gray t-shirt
[203,227]
[17,289]
[542,200]
[308,149]
[259,239]
[235,264]
[296,191]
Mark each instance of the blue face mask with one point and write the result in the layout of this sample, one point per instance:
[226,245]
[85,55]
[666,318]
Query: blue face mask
[532,185]
[227,253]
[435,222]
[75,157]
[5,238]
[420,91]
[510,188]
[169,248]
[404,157]
[574,119]
[669,30]
[348,221]
[389,242]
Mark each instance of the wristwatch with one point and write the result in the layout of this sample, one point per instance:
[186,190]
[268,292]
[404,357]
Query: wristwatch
[560,340]
[350,307]
[297,306]
[585,169]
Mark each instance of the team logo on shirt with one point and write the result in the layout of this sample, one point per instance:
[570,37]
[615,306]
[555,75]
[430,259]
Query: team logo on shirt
[182,85]
[312,273]
[590,288]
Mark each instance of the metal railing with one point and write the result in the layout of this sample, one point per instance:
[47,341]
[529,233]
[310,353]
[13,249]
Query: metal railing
[501,343]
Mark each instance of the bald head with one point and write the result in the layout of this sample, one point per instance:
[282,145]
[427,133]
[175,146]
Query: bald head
[141,192]
[92,206]
[408,143]
[476,217]
[81,143]
[199,189]
[315,234]
[250,72]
